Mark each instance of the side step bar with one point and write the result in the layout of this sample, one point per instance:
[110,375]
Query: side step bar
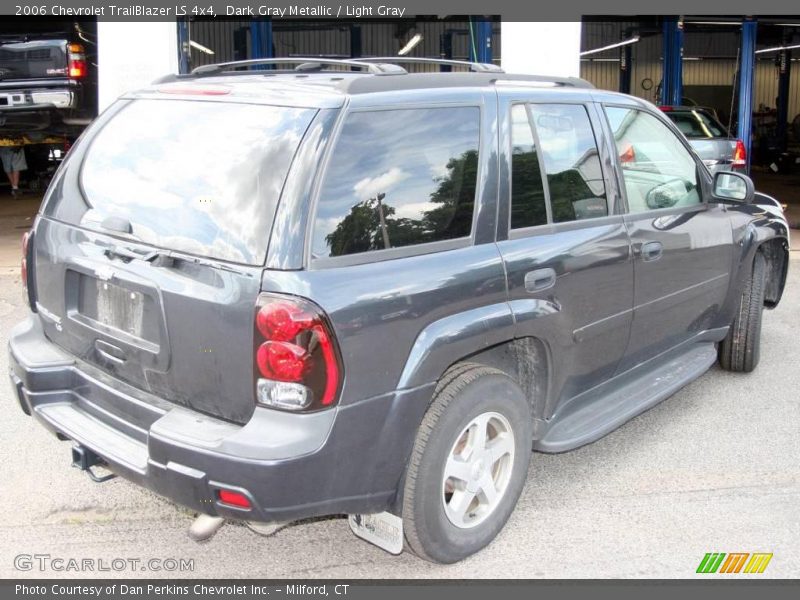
[604,410]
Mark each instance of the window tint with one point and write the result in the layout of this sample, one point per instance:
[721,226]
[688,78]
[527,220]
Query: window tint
[659,172]
[399,178]
[197,177]
[528,205]
[697,124]
[574,175]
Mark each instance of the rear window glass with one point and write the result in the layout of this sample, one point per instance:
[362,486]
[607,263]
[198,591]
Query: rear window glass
[697,124]
[399,178]
[25,60]
[192,176]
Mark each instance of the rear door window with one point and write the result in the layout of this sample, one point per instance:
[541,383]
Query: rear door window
[528,202]
[192,176]
[571,161]
[399,178]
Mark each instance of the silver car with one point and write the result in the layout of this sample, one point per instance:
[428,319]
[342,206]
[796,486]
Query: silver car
[710,139]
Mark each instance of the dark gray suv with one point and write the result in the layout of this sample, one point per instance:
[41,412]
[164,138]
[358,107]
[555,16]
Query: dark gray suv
[270,294]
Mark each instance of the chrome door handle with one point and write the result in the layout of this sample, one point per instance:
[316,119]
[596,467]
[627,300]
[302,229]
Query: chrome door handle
[540,279]
[652,251]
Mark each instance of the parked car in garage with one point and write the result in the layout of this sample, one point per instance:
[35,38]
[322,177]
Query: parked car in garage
[48,85]
[711,140]
[275,294]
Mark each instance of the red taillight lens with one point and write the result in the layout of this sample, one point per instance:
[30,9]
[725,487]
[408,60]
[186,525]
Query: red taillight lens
[281,361]
[76,61]
[282,321]
[297,361]
[233,498]
[739,154]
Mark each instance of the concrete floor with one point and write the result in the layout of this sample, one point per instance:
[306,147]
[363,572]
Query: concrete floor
[713,469]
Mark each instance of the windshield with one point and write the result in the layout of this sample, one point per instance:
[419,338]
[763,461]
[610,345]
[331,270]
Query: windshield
[193,176]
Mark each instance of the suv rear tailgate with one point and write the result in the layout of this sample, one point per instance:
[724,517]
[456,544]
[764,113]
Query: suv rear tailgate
[149,252]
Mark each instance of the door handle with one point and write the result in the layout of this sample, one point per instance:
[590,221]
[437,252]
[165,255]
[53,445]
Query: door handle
[540,279]
[652,251]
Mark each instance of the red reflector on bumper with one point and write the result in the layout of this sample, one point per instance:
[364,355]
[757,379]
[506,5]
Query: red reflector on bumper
[234,498]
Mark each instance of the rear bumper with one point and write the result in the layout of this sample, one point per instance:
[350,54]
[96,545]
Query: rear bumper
[346,460]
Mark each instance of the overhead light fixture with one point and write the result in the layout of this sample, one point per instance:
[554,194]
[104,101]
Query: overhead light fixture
[691,58]
[200,47]
[410,45]
[632,40]
[713,22]
[777,49]
[786,24]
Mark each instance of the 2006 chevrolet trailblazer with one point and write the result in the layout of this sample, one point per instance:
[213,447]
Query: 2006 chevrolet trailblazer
[273,294]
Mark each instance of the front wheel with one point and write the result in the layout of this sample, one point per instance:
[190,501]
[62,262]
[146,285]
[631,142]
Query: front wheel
[469,464]
[741,349]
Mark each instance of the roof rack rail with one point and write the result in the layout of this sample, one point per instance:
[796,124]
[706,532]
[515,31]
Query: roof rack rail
[540,80]
[303,64]
[476,67]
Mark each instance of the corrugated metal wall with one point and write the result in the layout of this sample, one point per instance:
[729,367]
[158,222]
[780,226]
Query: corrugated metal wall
[718,67]
[326,38]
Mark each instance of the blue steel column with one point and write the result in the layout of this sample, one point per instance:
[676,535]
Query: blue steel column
[625,68]
[184,58]
[446,49]
[480,48]
[746,74]
[261,38]
[784,75]
[672,78]
[355,41]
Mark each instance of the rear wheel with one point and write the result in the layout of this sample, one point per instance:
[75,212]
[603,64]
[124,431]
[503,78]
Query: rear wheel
[741,349]
[468,465]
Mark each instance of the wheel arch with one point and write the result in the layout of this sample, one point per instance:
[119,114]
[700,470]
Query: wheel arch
[776,253]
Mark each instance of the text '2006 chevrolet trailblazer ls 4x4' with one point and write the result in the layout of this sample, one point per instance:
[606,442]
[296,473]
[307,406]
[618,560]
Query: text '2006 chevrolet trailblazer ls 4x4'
[272,294]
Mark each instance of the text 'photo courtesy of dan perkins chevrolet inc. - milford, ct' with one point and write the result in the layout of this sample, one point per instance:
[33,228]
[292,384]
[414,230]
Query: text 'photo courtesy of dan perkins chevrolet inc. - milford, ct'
[179,10]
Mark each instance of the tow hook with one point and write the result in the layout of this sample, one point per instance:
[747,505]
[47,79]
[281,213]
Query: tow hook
[84,459]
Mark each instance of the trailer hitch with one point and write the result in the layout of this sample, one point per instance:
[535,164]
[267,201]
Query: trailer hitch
[84,459]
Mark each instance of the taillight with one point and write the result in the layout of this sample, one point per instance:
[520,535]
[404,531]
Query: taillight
[76,61]
[628,155]
[233,498]
[296,358]
[739,155]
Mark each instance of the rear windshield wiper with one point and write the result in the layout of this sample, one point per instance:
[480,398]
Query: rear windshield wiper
[166,259]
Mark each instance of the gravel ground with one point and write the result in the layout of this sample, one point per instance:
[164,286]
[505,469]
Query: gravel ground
[713,469]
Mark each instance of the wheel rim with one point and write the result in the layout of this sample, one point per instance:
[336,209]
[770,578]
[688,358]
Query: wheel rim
[478,470]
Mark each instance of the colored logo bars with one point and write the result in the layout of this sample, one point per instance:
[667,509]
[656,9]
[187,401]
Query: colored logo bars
[734,562]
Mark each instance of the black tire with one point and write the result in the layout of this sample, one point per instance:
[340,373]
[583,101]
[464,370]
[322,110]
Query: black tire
[741,349]
[465,392]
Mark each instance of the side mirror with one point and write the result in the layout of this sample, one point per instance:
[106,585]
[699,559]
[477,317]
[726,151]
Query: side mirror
[734,186]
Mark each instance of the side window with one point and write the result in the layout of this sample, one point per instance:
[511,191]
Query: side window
[399,178]
[658,170]
[571,161]
[528,205]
